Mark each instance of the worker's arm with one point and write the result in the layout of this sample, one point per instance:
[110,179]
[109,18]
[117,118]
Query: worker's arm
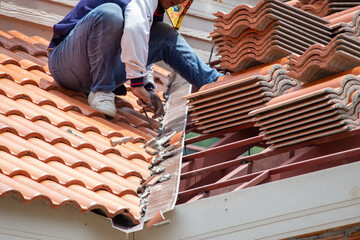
[135,44]
[135,40]
[149,82]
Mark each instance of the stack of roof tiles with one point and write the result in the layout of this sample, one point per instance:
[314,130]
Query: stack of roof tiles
[341,54]
[227,102]
[53,146]
[323,8]
[323,106]
[249,36]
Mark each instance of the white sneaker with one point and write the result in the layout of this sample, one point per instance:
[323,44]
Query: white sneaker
[103,101]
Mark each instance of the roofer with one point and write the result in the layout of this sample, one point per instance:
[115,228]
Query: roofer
[101,44]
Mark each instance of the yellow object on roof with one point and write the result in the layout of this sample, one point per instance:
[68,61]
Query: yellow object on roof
[177,13]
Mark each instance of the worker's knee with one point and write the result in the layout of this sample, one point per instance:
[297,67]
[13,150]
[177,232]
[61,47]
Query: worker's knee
[109,14]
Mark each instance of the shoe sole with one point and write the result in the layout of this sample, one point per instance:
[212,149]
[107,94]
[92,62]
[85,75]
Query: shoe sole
[105,111]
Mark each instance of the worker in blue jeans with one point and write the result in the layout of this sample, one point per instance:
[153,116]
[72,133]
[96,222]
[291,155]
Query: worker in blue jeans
[101,44]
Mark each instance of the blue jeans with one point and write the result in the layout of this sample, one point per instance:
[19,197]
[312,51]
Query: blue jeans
[89,57]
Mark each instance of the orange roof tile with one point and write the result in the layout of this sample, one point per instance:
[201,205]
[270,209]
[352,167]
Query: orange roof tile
[53,146]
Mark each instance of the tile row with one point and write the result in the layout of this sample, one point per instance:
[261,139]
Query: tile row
[81,197]
[19,136]
[14,40]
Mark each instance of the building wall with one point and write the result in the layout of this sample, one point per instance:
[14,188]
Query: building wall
[37,220]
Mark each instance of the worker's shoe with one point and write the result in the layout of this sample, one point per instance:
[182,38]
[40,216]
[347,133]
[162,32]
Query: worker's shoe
[103,101]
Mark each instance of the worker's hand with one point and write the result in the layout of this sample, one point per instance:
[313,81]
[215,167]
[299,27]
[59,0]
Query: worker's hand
[158,105]
[149,101]
[144,97]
